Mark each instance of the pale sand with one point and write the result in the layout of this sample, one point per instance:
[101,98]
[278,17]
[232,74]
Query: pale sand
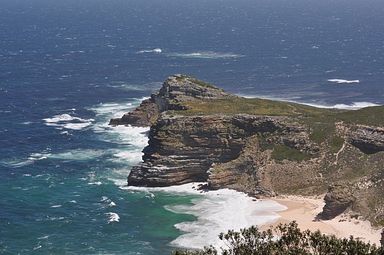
[303,210]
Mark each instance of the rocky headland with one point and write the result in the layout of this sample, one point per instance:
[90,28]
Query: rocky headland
[200,133]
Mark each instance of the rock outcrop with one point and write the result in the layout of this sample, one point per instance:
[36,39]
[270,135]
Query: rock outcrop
[200,133]
[338,199]
[175,90]
[368,139]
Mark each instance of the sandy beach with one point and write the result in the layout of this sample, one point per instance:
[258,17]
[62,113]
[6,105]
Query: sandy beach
[303,210]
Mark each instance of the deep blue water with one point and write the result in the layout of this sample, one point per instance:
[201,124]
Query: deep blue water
[66,67]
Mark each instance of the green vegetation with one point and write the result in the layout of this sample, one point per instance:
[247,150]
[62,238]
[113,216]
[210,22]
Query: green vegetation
[336,142]
[366,116]
[286,239]
[282,152]
[254,106]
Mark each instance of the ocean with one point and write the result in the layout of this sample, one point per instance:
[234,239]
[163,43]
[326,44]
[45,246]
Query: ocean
[68,66]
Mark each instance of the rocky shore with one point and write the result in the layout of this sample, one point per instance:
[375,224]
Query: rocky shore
[261,147]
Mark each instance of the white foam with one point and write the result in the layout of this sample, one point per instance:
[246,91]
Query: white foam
[130,140]
[59,118]
[68,122]
[43,237]
[112,217]
[205,55]
[56,206]
[151,86]
[341,81]
[16,163]
[107,201]
[216,212]
[38,156]
[133,157]
[136,136]
[78,154]
[98,183]
[112,110]
[155,50]
[352,106]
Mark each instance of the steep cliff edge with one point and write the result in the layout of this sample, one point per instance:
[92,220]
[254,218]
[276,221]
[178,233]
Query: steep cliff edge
[261,147]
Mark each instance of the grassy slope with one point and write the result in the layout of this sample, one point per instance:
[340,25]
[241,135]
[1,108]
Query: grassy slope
[320,121]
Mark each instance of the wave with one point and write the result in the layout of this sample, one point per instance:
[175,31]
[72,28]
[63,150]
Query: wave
[129,140]
[216,212]
[112,217]
[72,155]
[78,154]
[107,201]
[352,106]
[67,121]
[106,111]
[155,50]
[205,55]
[16,163]
[341,81]
[151,86]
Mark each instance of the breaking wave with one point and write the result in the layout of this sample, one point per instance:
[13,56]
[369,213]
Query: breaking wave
[67,121]
[112,217]
[216,212]
[155,50]
[341,81]
[205,55]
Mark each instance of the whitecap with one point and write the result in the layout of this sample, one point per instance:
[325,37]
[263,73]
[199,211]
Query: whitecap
[26,122]
[155,50]
[37,247]
[59,118]
[56,206]
[98,183]
[77,126]
[38,156]
[107,201]
[205,55]
[68,122]
[112,217]
[43,237]
[342,81]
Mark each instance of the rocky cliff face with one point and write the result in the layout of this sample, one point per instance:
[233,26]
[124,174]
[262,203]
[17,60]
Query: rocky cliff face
[302,150]
[175,91]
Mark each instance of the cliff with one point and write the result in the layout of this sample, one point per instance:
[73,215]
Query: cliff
[261,147]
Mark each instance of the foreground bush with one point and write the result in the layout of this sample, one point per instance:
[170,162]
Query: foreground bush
[286,239]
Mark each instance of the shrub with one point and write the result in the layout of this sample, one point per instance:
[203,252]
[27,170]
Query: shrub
[286,239]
